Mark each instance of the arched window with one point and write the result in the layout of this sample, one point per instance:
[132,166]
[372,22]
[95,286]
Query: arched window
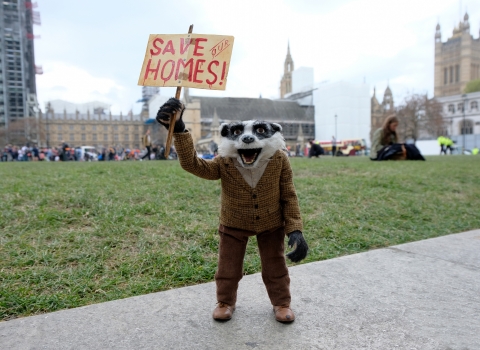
[451,108]
[460,107]
[474,105]
[466,127]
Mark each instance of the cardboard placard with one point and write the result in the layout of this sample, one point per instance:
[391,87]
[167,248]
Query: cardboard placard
[190,60]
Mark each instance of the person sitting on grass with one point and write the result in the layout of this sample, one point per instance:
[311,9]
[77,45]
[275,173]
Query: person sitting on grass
[385,144]
[384,136]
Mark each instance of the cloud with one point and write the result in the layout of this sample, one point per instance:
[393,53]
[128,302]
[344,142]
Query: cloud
[74,84]
[94,49]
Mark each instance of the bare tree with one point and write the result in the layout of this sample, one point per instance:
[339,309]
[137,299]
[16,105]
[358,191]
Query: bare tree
[434,124]
[420,118]
[22,131]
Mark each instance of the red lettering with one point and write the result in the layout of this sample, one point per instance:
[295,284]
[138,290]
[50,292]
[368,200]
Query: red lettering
[198,47]
[149,70]
[171,71]
[197,70]
[184,48]
[210,82]
[224,70]
[154,44]
[169,48]
[181,63]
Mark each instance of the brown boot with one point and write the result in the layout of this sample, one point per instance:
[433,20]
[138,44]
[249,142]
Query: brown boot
[223,312]
[284,314]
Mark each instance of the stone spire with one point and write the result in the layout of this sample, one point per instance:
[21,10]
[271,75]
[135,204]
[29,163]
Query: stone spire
[288,65]
[438,34]
[286,82]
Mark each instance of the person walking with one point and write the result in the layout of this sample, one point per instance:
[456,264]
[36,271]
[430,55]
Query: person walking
[147,143]
[334,146]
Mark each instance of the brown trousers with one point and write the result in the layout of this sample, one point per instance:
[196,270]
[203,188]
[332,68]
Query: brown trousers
[233,243]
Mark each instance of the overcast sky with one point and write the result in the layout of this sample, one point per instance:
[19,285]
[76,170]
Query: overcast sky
[94,49]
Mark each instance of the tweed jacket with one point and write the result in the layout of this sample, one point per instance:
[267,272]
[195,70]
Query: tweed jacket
[271,204]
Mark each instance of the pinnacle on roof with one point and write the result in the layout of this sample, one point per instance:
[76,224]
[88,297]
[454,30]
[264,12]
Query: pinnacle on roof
[215,120]
[388,91]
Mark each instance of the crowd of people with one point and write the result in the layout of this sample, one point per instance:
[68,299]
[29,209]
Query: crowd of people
[64,152]
[384,146]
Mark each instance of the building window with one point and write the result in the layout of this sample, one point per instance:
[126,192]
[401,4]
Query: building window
[94,128]
[445,76]
[105,128]
[105,137]
[137,138]
[115,137]
[83,127]
[59,137]
[70,127]
[457,73]
[451,74]
[72,137]
[126,127]
[451,109]
[474,105]
[83,137]
[466,127]
[136,128]
[460,107]
[94,137]
[126,137]
[59,127]
[115,127]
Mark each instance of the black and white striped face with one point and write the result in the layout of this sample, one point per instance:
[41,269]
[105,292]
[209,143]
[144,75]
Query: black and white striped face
[250,141]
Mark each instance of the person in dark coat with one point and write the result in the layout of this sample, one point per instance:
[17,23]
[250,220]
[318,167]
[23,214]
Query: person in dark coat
[315,150]
[385,144]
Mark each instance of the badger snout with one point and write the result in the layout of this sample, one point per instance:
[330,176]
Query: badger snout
[248,139]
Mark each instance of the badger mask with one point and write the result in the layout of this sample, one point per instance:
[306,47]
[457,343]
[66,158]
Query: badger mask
[250,141]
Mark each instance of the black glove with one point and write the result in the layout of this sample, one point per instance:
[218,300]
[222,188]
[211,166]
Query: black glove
[296,239]
[167,112]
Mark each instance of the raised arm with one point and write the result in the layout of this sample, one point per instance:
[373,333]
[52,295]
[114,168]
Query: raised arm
[206,169]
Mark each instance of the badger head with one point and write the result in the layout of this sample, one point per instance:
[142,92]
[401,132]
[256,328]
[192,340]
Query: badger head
[250,141]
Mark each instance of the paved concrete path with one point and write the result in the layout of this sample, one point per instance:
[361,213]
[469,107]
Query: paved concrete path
[422,295]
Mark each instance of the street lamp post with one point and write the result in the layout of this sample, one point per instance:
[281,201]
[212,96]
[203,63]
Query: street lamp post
[464,129]
[47,134]
[335,127]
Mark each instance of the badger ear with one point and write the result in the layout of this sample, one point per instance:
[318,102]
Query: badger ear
[224,129]
[276,127]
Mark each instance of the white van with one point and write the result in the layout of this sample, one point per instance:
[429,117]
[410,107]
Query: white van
[90,150]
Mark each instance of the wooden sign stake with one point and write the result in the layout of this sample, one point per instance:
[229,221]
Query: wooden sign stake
[174,117]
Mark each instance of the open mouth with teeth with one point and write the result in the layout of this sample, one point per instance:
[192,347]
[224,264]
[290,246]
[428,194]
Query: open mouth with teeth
[249,155]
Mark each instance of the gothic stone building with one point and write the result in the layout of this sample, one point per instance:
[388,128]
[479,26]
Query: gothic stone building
[94,128]
[204,115]
[457,61]
[379,111]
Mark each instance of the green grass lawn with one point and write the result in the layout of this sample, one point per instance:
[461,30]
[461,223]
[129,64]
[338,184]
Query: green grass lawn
[73,234]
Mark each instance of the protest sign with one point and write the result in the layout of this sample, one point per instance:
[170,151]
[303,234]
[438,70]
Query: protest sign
[187,60]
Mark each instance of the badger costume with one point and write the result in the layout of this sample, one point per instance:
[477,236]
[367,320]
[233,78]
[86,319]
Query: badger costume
[258,199]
